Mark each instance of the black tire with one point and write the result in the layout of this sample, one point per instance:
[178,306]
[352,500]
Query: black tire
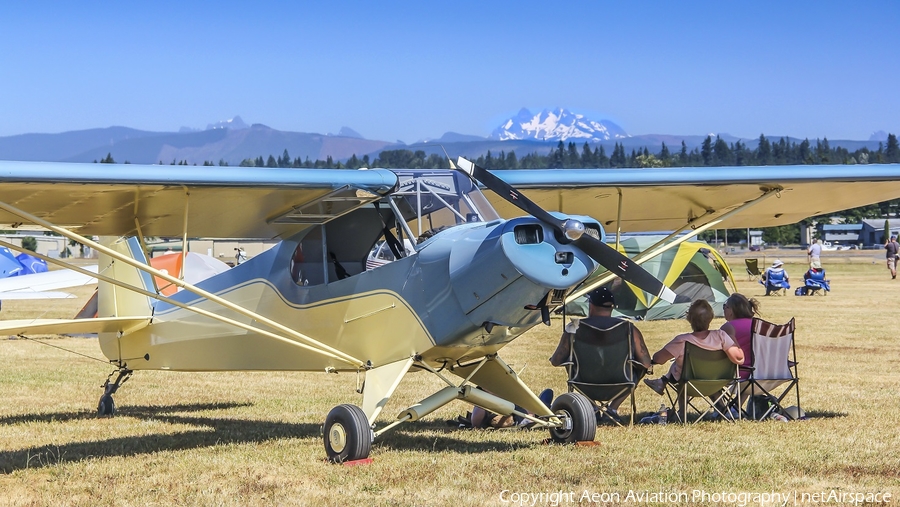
[106,407]
[347,434]
[577,413]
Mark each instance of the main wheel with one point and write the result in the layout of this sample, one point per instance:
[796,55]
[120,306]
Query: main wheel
[348,436]
[106,407]
[577,414]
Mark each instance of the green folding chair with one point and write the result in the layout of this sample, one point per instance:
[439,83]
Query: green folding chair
[753,272]
[707,375]
[602,365]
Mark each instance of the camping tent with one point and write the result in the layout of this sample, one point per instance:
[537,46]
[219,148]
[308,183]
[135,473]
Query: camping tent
[693,270]
[18,265]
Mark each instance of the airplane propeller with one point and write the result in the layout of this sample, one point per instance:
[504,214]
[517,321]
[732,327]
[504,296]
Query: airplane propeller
[573,231]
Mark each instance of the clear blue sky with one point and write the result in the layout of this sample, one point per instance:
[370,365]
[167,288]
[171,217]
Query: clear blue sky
[408,70]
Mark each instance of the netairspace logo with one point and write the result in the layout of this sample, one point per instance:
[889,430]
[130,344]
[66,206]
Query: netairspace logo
[737,499]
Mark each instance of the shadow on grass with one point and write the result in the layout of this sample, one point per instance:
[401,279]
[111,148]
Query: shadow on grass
[216,431]
[824,414]
[437,436]
[426,436]
[133,411]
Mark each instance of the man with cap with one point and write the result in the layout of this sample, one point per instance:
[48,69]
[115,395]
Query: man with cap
[775,277]
[600,306]
[892,251]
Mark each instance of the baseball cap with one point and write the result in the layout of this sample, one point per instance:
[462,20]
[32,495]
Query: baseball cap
[602,297]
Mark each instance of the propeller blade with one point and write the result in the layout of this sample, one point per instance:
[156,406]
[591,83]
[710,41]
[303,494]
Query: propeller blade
[604,254]
[506,191]
[624,268]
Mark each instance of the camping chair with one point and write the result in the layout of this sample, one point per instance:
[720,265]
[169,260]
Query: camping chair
[776,282]
[601,364]
[817,281]
[752,269]
[774,364]
[708,375]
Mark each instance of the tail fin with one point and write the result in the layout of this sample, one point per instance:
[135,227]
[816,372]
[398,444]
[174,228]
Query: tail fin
[116,301]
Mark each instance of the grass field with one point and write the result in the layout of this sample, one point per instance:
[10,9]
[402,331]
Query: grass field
[253,438]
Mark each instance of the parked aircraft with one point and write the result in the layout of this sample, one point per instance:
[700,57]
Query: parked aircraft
[473,284]
[25,276]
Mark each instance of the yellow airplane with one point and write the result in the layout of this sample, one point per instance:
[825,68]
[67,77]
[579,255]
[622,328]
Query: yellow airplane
[473,283]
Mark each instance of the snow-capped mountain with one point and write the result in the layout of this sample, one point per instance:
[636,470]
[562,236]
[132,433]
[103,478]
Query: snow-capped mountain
[235,123]
[557,125]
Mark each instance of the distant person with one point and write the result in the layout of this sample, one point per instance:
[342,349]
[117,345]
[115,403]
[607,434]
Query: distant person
[815,251]
[893,255]
[813,280]
[739,313]
[240,256]
[775,277]
[815,269]
[601,303]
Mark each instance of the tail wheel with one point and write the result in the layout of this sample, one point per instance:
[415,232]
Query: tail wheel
[347,434]
[577,415]
[106,407]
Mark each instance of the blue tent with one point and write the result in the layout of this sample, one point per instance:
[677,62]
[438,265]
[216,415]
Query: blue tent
[9,265]
[31,264]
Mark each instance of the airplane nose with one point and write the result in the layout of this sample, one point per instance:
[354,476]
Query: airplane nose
[550,261]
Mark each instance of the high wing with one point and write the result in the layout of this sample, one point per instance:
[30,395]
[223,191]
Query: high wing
[669,198]
[225,202]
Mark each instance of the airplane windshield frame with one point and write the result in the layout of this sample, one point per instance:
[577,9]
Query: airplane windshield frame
[429,201]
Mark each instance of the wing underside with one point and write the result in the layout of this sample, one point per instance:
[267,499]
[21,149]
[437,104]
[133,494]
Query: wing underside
[666,199]
[225,202]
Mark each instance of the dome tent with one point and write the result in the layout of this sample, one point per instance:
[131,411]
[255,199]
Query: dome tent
[692,270]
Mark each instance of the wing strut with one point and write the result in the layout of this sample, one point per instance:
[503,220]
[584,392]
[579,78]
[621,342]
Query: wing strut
[199,311]
[184,285]
[661,246]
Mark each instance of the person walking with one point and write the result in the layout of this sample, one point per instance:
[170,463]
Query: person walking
[815,251]
[893,254]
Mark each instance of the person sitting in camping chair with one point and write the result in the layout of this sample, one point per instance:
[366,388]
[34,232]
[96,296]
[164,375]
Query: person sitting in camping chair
[775,278]
[699,316]
[601,303]
[814,279]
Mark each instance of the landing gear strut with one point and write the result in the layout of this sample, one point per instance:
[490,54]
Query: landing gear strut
[107,407]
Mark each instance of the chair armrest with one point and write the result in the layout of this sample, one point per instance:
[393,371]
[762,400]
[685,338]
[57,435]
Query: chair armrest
[638,364]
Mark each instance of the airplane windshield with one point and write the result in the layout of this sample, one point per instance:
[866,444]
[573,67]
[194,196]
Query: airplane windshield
[431,201]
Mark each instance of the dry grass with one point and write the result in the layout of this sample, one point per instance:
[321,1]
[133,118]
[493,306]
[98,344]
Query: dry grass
[253,438]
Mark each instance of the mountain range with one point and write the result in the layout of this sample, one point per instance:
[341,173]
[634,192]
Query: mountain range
[233,140]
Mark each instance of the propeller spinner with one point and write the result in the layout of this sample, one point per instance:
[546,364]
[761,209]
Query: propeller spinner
[573,230]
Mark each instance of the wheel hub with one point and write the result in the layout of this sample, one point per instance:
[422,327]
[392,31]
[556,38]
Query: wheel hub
[337,437]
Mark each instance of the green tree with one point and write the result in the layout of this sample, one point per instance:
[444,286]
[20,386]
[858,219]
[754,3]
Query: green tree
[29,243]
[706,150]
[587,156]
[892,152]
[764,151]
[722,153]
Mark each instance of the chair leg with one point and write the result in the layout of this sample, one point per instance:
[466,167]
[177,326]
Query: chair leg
[633,407]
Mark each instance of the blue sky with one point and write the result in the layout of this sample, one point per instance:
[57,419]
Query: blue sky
[409,70]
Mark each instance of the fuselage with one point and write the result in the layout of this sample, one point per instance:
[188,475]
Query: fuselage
[465,292]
